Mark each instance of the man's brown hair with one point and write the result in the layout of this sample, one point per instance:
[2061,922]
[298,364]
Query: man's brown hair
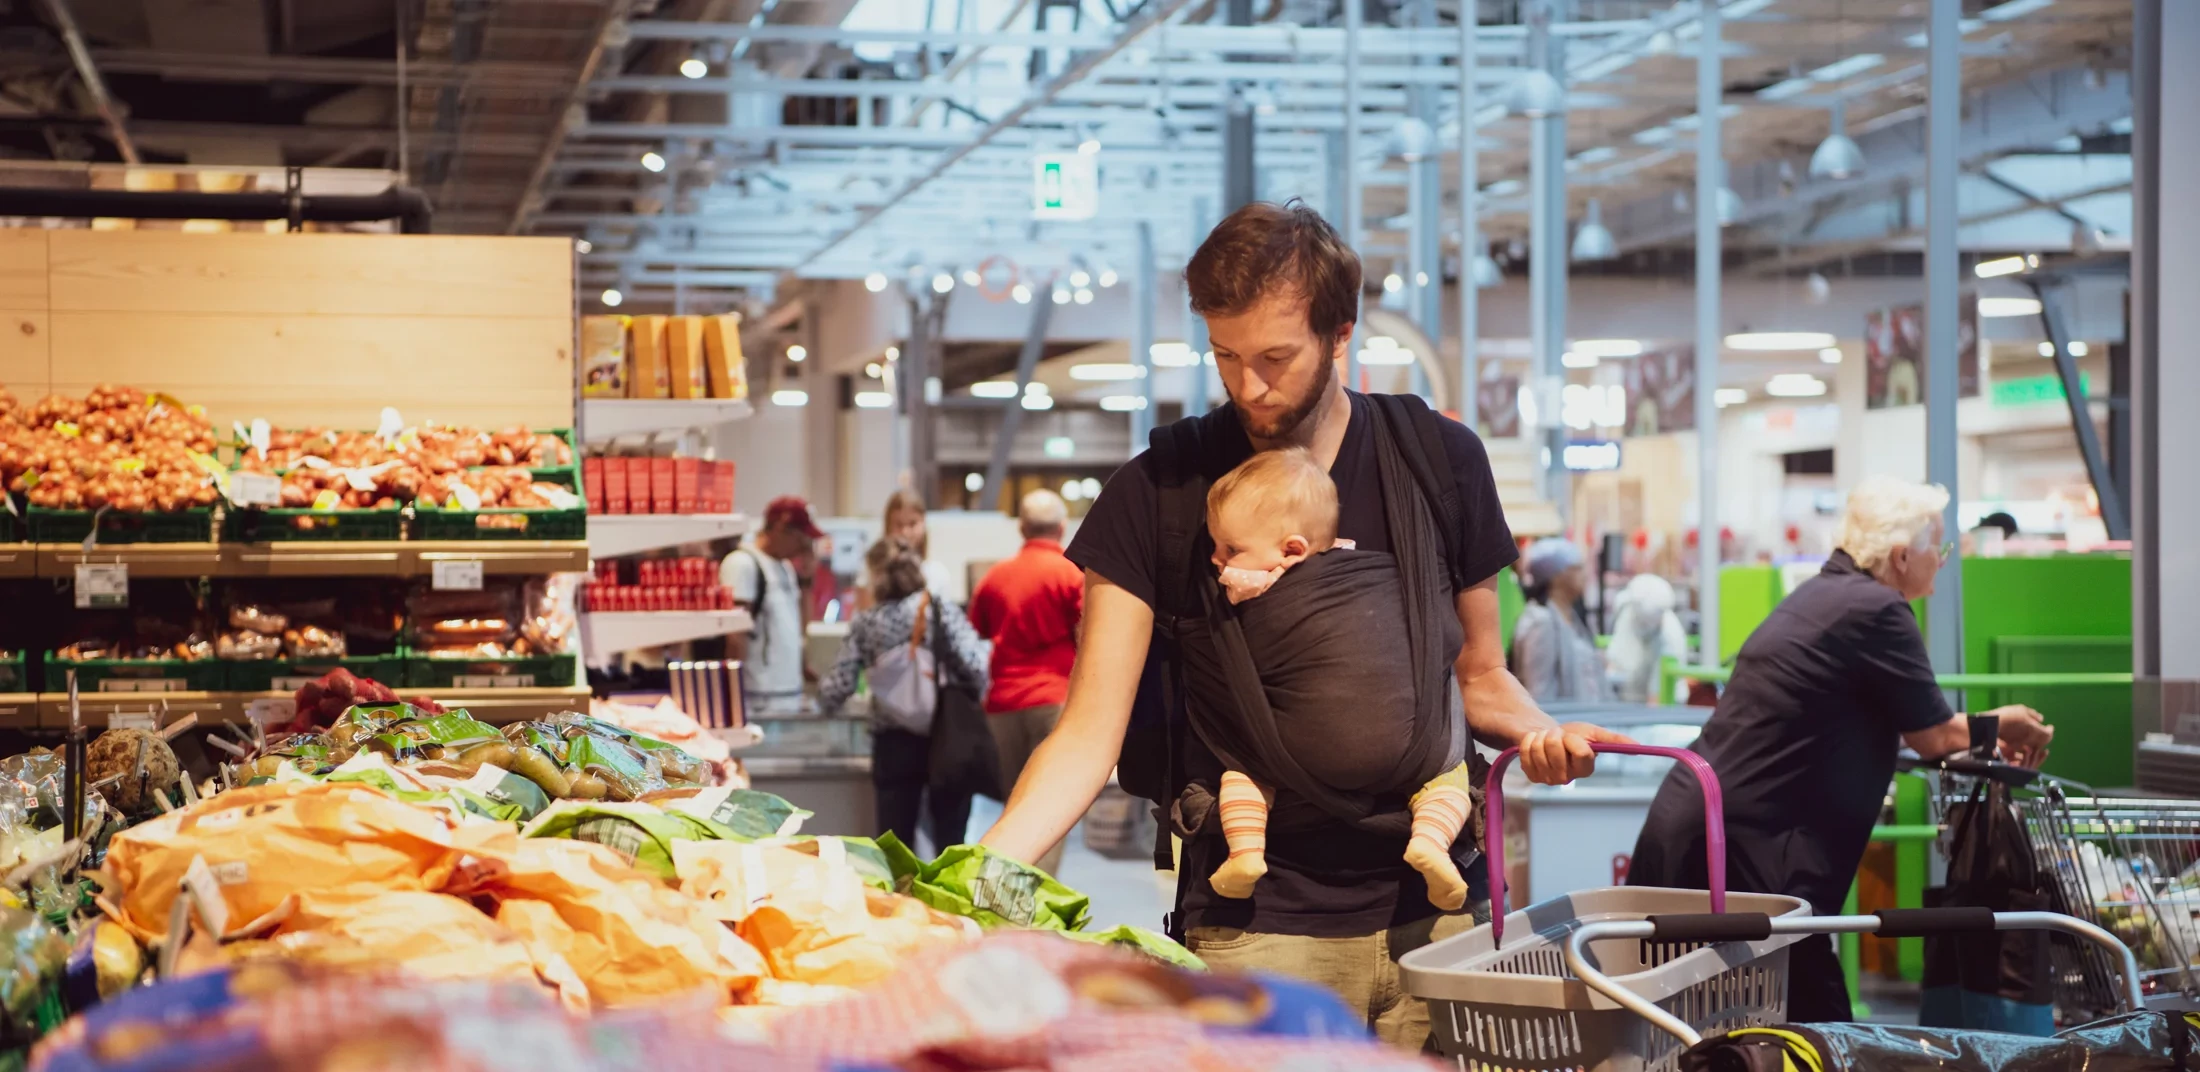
[1266,249]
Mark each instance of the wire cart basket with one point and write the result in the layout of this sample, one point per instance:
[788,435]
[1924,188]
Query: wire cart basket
[1518,1007]
[2130,866]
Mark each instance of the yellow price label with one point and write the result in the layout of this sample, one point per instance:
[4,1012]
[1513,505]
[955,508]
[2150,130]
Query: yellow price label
[327,499]
[67,428]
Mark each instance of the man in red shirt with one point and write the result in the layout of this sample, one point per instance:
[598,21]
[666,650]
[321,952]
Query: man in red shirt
[1029,606]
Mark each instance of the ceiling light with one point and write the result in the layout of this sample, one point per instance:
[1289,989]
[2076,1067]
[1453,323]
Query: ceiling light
[1837,157]
[2003,12]
[1084,295]
[790,396]
[1381,342]
[1090,146]
[875,282]
[1172,355]
[1831,355]
[582,245]
[1104,372]
[2047,349]
[1021,293]
[1795,385]
[1107,278]
[612,297]
[1576,359]
[1072,491]
[942,283]
[1503,188]
[1038,401]
[2000,307]
[1091,486]
[893,353]
[1729,396]
[652,161]
[973,482]
[1592,240]
[694,67]
[1845,68]
[1080,278]
[1412,139]
[1780,340]
[1486,273]
[1535,94]
[1607,347]
[1393,283]
[1785,88]
[1122,403]
[873,400]
[971,277]
[1061,296]
[1596,155]
[2002,266]
[1393,355]
[874,370]
[2078,348]
[1817,288]
[1730,205]
[1036,387]
[797,353]
[993,389]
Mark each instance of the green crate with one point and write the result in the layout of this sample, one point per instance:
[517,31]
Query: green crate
[72,526]
[432,523]
[307,525]
[13,529]
[518,671]
[15,674]
[136,675]
[287,675]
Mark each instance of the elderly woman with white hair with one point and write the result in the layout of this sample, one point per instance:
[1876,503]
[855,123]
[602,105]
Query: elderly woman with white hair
[1824,694]
[1554,652]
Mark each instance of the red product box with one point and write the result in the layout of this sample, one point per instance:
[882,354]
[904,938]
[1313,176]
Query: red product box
[614,486]
[592,483]
[660,485]
[687,485]
[722,484]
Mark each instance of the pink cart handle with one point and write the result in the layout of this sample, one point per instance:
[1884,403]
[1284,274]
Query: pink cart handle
[1714,810]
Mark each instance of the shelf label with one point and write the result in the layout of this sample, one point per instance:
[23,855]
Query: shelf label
[255,489]
[142,684]
[289,684]
[493,681]
[132,720]
[102,585]
[463,575]
[272,711]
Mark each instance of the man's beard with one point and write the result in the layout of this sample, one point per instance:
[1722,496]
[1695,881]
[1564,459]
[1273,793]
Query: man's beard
[1285,425]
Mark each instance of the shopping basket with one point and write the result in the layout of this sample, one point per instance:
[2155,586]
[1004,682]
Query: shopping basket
[1834,1047]
[1518,1006]
[2130,866]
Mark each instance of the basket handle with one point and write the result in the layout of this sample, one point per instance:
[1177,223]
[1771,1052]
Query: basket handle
[1714,812]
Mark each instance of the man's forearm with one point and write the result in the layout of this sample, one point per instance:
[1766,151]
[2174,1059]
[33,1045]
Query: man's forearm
[1499,709]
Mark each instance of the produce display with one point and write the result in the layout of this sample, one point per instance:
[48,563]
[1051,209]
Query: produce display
[425,449]
[116,447]
[499,621]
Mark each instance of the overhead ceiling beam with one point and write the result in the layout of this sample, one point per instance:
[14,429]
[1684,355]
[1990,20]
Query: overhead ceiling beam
[338,71]
[110,113]
[561,123]
[1289,40]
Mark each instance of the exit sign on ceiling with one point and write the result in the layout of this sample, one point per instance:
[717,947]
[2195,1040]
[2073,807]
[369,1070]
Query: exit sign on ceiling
[1064,186]
[2034,390]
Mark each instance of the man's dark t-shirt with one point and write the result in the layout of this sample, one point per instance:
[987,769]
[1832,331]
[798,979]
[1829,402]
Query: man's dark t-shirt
[1119,540]
[1803,742]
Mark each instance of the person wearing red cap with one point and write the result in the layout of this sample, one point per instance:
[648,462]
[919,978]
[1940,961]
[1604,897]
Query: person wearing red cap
[765,582]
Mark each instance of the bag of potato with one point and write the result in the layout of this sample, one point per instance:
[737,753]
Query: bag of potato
[642,834]
[809,912]
[264,845]
[626,936]
[746,813]
[427,935]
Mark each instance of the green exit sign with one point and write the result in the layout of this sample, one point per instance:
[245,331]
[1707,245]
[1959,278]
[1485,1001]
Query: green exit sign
[2034,390]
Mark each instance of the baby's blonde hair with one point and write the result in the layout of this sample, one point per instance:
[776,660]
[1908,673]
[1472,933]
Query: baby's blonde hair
[1288,484]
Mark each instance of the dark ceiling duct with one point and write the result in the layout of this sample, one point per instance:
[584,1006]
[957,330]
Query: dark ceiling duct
[402,203]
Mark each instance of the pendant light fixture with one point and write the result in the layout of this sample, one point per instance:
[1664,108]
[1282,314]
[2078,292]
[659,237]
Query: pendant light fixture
[1837,157]
[1592,240]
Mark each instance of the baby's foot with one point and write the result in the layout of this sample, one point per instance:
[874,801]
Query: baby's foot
[1235,878]
[1446,889]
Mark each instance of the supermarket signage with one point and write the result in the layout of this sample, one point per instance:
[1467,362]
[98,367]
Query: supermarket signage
[1064,186]
[2034,390]
[458,575]
[102,586]
[493,681]
[1592,455]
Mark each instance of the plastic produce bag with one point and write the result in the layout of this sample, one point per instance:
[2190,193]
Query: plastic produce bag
[262,845]
[425,935]
[642,834]
[970,880]
[745,813]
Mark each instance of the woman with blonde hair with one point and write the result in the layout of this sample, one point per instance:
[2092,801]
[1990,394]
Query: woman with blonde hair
[904,519]
[1824,693]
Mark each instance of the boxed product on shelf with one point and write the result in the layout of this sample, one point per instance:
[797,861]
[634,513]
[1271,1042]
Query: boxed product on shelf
[660,486]
[684,357]
[619,598]
[728,372]
[603,356]
[719,481]
[687,485]
[616,482]
[708,690]
[592,485]
[650,377]
[690,570]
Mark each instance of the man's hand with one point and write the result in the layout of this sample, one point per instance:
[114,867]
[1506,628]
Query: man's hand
[1560,755]
[2024,735]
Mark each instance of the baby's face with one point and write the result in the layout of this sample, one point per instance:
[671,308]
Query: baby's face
[1246,539]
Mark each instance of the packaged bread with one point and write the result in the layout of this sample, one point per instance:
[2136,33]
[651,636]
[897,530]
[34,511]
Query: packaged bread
[603,356]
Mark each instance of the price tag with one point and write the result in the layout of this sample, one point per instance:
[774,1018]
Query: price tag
[463,575]
[103,585]
[255,489]
[492,681]
[132,720]
[143,684]
[273,711]
[206,889]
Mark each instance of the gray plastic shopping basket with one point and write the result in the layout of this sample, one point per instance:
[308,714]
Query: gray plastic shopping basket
[1499,1006]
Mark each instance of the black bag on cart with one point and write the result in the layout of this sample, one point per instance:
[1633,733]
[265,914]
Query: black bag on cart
[2135,1042]
[1993,981]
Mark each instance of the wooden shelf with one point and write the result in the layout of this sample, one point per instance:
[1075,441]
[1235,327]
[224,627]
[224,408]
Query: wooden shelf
[613,418]
[612,535]
[18,560]
[613,631]
[50,710]
[382,558]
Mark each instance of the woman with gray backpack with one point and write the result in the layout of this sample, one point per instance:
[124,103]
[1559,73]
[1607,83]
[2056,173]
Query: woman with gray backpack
[916,649]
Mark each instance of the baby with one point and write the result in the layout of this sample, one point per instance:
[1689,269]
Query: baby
[1275,513]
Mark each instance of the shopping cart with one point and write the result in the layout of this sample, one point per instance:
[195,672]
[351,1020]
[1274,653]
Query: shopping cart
[1499,1006]
[1913,1047]
[2129,866]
